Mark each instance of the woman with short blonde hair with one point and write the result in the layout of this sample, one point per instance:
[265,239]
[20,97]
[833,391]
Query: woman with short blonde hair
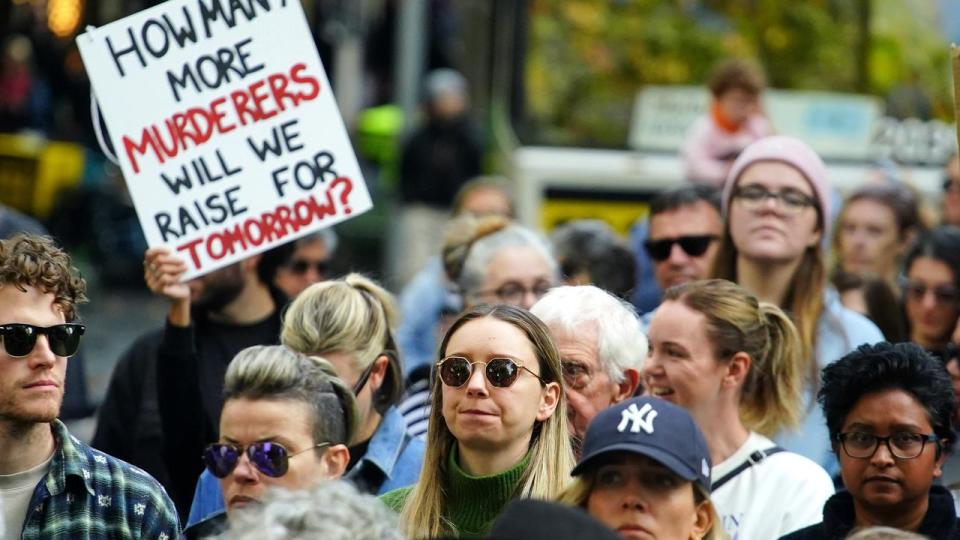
[498,425]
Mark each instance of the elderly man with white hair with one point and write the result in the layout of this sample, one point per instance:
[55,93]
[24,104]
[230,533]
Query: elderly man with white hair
[602,348]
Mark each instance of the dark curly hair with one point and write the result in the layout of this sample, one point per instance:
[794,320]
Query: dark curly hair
[36,261]
[885,366]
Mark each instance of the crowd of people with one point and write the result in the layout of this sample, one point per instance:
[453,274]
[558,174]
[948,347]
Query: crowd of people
[761,360]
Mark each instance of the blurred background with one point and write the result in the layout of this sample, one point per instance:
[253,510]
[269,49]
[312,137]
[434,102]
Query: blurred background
[581,104]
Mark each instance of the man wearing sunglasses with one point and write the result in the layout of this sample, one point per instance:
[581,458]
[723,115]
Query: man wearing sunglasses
[51,484]
[685,227]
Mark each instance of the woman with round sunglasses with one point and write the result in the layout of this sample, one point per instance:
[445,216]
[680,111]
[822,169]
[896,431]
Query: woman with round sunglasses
[498,427]
[777,210]
[931,288]
[737,365]
[645,473]
[889,411]
[350,322]
[285,423]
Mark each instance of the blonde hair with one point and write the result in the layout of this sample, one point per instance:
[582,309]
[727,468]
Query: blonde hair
[737,322]
[551,458]
[353,315]
[579,490]
[275,372]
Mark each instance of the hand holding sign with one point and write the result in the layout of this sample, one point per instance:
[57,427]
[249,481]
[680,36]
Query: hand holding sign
[227,133]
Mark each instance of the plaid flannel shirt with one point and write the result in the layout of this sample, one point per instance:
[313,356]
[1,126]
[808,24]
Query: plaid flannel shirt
[88,494]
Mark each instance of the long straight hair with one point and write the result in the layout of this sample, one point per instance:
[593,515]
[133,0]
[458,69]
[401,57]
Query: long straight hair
[804,299]
[551,457]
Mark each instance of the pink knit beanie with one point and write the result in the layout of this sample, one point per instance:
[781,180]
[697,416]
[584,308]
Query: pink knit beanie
[793,152]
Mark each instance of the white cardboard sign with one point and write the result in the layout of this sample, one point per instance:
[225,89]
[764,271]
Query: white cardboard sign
[225,127]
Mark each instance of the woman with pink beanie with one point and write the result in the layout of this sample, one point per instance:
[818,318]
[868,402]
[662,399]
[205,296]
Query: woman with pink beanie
[776,208]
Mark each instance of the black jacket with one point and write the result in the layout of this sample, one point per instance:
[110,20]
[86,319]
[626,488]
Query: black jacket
[940,522]
[437,160]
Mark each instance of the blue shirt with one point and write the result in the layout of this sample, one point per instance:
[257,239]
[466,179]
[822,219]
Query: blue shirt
[89,494]
[839,331]
[391,450]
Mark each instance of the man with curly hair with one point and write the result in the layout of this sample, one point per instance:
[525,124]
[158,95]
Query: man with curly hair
[52,486]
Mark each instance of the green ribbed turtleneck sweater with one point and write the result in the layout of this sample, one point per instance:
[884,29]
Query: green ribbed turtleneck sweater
[473,502]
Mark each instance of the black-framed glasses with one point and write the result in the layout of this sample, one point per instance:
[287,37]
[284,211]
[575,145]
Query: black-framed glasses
[455,371]
[19,339]
[692,245]
[943,295]
[790,201]
[300,266]
[860,445]
[270,458]
[513,292]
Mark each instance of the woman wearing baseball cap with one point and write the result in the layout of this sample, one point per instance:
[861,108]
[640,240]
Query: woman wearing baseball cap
[777,211]
[645,472]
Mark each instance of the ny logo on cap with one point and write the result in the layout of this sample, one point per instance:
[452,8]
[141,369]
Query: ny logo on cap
[637,418]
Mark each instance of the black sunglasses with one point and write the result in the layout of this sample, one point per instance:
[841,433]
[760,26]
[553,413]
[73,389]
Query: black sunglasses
[300,266]
[694,246]
[455,371]
[19,339]
[270,458]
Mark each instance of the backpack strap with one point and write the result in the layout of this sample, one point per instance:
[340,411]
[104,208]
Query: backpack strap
[755,458]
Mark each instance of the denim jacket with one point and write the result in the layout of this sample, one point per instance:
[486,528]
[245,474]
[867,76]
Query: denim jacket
[392,451]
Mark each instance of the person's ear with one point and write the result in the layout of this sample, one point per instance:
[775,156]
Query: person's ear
[335,460]
[549,400]
[941,457]
[817,236]
[702,520]
[379,372]
[628,386]
[737,369]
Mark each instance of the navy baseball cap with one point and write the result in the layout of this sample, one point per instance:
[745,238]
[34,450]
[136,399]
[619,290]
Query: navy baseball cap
[653,428]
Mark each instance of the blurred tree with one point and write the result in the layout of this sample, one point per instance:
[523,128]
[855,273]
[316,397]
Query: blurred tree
[586,59]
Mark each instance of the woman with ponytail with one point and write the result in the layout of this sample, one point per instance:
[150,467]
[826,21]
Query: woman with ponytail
[738,365]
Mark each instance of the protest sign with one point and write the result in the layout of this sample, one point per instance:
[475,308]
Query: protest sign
[224,125]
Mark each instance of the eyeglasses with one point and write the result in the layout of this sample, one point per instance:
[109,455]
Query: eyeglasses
[693,245]
[513,293]
[575,375]
[455,371]
[300,266]
[943,295]
[19,339]
[790,201]
[270,458]
[861,445]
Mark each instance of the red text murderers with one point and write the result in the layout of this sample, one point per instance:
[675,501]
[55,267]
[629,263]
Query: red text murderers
[259,101]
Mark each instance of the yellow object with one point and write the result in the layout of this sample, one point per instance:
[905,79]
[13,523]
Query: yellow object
[33,170]
[619,214]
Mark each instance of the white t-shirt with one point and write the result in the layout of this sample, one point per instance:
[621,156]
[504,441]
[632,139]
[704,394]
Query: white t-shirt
[779,495]
[16,490]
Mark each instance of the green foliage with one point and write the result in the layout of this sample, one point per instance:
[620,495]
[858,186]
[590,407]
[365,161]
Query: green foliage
[587,58]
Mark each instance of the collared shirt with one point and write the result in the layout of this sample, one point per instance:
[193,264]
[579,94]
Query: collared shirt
[88,494]
[392,455]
